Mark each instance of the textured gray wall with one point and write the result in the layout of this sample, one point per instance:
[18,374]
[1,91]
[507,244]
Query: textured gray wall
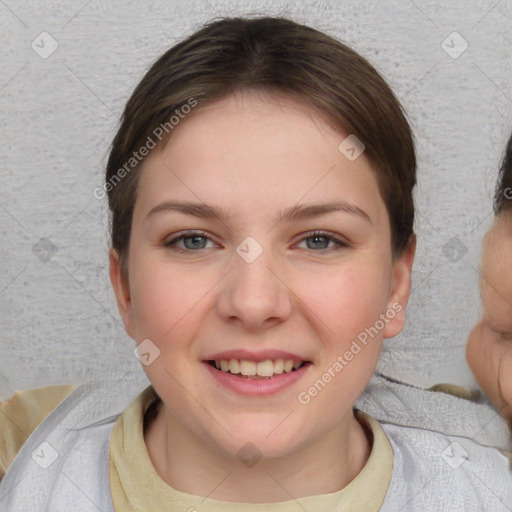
[59,112]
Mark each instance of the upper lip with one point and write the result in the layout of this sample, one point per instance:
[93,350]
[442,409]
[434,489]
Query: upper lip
[247,355]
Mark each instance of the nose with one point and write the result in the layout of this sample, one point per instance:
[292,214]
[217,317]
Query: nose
[255,294]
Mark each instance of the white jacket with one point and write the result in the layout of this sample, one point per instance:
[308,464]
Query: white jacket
[432,471]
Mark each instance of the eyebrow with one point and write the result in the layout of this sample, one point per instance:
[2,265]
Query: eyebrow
[294,213]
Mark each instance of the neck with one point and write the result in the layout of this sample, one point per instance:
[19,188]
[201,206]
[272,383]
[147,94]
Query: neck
[191,465]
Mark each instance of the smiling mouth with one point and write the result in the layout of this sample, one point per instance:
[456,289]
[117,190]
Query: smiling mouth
[257,370]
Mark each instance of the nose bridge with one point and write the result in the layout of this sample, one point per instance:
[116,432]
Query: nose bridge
[255,293]
[252,276]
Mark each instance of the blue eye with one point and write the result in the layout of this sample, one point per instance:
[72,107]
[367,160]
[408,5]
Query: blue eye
[194,241]
[321,240]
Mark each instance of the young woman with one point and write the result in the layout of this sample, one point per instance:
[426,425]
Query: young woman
[260,186]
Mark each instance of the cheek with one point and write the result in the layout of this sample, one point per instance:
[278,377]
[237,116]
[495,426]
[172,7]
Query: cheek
[505,382]
[473,355]
[165,299]
[491,363]
[340,301]
[481,359]
[345,304]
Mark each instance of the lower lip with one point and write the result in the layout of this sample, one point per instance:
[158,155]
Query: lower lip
[257,387]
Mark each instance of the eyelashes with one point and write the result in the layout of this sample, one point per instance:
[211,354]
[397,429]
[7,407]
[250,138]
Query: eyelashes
[499,333]
[197,237]
[338,243]
[172,244]
[505,336]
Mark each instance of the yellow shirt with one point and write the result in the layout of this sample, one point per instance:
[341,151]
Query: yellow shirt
[136,486]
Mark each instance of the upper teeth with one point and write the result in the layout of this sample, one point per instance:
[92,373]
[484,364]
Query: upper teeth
[265,368]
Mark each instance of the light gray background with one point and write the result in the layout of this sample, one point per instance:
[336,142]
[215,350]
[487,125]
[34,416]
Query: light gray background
[58,115]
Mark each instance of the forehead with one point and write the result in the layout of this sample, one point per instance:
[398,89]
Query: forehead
[496,271]
[264,150]
[237,130]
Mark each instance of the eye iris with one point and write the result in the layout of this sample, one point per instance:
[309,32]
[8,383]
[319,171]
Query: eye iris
[196,242]
[321,238]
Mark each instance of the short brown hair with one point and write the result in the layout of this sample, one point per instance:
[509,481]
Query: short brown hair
[270,54]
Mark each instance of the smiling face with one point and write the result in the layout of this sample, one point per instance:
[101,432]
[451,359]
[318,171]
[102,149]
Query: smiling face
[489,347]
[260,163]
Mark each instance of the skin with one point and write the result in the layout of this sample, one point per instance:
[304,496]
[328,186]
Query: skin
[254,155]
[489,346]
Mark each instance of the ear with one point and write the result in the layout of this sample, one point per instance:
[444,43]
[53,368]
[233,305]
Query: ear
[121,288]
[401,287]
